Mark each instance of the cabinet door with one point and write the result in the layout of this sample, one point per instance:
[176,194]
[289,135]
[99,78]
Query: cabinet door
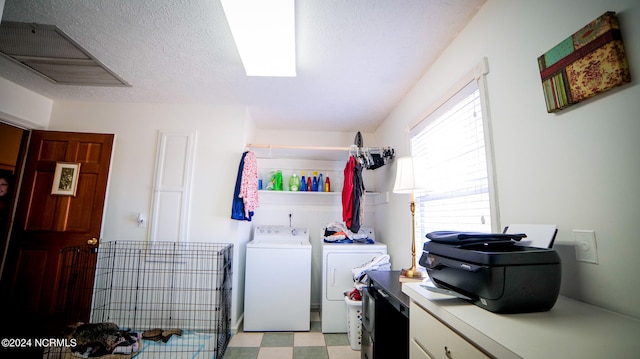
[436,339]
[391,336]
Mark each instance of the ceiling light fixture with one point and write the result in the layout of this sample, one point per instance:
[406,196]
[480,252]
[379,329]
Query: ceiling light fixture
[264,33]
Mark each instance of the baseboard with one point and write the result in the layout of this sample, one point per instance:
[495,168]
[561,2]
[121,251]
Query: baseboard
[235,329]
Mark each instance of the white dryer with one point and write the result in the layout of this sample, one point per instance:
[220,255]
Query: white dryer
[277,295]
[338,261]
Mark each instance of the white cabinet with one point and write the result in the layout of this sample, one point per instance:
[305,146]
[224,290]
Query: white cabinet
[416,351]
[432,339]
[446,327]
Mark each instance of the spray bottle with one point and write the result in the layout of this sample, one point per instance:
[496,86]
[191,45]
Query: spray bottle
[314,184]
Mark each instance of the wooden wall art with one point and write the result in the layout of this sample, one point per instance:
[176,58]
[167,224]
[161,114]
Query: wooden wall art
[585,64]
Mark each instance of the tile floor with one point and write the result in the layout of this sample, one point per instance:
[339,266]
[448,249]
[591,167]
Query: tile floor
[291,345]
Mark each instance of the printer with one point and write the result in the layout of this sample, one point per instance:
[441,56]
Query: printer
[492,271]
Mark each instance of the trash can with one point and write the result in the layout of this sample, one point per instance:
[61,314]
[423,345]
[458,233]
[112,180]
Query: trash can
[354,322]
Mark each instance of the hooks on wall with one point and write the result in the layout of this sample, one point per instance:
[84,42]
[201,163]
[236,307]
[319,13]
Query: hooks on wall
[370,157]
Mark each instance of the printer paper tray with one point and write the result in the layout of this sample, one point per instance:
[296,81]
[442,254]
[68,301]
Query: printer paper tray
[428,285]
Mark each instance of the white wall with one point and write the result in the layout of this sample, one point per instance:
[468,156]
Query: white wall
[23,107]
[220,141]
[309,138]
[577,168]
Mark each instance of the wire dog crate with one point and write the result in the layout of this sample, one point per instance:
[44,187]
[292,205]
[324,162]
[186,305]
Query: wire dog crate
[175,296]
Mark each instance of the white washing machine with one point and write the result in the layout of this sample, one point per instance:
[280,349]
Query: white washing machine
[277,295]
[338,261]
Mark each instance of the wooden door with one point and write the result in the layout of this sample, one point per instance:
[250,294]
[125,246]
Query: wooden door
[46,224]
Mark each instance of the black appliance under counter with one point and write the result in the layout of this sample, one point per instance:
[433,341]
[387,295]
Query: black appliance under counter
[385,321]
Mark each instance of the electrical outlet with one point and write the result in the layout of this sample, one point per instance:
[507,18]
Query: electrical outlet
[586,248]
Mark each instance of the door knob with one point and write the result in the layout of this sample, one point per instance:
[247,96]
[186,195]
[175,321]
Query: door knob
[92,241]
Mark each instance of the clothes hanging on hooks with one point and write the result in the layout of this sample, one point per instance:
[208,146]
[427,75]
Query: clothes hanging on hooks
[353,194]
[347,191]
[245,196]
[372,157]
[358,198]
[353,190]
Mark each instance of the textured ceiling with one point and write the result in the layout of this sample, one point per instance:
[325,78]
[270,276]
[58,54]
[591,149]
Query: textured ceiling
[355,58]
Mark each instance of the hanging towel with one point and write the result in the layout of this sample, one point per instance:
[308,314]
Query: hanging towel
[249,184]
[237,206]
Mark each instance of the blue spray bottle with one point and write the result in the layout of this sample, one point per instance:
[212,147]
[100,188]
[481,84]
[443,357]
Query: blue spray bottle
[314,184]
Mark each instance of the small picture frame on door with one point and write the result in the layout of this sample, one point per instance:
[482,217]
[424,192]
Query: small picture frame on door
[65,179]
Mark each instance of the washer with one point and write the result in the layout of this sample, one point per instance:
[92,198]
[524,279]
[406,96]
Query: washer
[338,260]
[277,295]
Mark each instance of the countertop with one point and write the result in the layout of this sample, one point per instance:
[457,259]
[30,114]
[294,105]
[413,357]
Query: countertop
[390,282]
[571,329]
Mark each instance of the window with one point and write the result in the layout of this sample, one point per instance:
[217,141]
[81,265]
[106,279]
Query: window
[451,142]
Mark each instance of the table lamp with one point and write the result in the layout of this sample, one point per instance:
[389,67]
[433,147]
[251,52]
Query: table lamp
[407,181]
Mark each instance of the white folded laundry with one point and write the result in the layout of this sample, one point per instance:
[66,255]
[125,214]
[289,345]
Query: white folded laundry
[380,262]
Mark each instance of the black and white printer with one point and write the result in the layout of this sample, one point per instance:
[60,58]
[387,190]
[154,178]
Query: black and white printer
[493,271]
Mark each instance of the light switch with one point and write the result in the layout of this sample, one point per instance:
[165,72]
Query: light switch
[586,248]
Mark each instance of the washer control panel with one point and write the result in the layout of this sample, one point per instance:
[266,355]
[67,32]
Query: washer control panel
[280,231]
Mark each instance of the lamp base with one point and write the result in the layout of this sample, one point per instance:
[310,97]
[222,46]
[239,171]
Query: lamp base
[414,272]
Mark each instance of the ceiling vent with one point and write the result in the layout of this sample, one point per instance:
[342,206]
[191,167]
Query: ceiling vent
[51,53]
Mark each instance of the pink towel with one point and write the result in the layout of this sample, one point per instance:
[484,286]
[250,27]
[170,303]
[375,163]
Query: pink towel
[249,185]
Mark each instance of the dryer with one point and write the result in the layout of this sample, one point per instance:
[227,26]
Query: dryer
[338,260]
[277,295]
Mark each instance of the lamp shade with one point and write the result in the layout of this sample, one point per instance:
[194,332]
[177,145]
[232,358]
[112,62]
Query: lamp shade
[409,176]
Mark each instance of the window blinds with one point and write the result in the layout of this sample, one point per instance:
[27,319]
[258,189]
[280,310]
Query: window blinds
[451,143]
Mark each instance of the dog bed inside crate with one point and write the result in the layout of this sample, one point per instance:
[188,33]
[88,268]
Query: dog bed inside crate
[147,285]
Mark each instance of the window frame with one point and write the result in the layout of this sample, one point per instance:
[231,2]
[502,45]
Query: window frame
[478,74]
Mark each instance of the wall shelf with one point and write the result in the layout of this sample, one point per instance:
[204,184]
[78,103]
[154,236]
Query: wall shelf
[302,193]
[309,193]
[300,152]
[330,198]
[293,159]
